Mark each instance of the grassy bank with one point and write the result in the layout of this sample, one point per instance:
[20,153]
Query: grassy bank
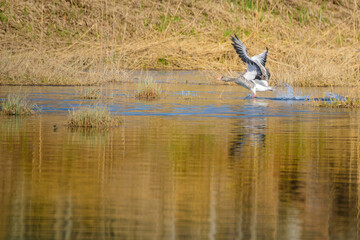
[77,42]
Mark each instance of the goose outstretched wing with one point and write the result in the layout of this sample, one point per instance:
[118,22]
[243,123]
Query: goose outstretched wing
[261,58]
[256,65]
[241,51]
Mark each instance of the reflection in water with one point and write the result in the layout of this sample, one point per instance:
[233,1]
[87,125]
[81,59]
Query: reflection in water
[172,178]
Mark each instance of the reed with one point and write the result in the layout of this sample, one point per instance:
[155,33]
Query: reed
[17,104]
[148,89]
[342,103]
[87,42]
[93,116]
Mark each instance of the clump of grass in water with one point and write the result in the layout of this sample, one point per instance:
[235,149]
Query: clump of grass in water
[16,104]
[188,95]
[339,103]
[93,116]
[148,90]
[91,93]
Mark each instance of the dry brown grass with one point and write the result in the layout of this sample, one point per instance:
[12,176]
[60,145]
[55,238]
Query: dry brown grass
[312,43]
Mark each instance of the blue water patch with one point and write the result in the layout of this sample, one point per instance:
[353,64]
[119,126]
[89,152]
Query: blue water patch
[287,102]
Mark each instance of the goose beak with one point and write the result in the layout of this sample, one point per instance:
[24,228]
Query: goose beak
[219,78]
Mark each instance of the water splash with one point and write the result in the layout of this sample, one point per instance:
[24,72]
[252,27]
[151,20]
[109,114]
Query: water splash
[287,92]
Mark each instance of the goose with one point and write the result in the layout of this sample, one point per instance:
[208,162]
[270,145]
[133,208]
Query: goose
[256,77]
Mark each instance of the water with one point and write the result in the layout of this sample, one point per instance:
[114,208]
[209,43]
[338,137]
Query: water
[287,92]
[203,162]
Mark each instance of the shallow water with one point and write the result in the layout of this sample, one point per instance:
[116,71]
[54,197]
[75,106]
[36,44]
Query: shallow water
[203,162]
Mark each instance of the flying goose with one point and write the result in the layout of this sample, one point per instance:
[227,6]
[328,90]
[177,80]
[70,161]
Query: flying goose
[256,77]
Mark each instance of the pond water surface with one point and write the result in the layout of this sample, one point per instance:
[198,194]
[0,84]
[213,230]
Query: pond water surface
[202,162]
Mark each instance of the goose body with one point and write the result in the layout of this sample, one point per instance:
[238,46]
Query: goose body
[256,77]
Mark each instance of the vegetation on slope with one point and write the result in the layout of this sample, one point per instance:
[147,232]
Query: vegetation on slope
[312,43]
